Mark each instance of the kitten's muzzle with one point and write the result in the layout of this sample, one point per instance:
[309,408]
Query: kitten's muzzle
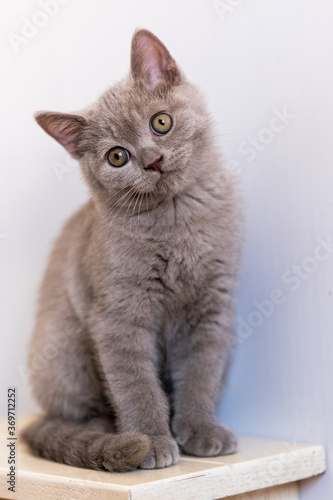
[156,165]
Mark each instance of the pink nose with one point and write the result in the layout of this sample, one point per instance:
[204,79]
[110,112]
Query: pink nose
[156,165]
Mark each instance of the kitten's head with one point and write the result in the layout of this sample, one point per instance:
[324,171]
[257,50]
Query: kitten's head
[147,134]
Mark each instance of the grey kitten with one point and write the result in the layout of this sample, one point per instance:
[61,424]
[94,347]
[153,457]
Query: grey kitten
[135,315]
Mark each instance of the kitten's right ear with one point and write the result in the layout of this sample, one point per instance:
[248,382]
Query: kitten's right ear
[66,128]
[151,61]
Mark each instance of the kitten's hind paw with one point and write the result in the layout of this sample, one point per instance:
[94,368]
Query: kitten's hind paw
[163,452]
[207,440]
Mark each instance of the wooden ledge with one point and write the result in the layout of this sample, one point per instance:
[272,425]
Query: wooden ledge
[260,465]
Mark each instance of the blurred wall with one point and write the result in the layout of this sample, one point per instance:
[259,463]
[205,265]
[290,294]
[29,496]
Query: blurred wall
[266,68]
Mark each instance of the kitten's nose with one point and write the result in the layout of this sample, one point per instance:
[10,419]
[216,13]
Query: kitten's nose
[156,165]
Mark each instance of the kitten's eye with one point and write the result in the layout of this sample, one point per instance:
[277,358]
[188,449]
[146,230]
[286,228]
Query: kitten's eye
[161,123]
[118,157]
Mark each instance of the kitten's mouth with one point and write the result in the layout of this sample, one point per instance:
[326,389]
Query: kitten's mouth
[163,174]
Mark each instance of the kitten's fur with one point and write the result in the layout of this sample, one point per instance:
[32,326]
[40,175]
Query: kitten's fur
[135,314]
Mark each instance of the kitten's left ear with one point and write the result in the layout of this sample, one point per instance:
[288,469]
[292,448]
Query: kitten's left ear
[65,128]
[151,60]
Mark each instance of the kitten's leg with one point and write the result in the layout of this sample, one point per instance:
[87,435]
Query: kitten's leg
[126,350]
[197,360]
[78,428]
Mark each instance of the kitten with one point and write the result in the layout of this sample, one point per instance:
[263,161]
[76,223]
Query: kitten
[134,324]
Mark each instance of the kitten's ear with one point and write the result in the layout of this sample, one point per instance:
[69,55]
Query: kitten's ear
[65,128]
[151,60]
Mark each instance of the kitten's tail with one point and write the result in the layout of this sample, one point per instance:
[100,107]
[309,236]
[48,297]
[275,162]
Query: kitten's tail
[73,444]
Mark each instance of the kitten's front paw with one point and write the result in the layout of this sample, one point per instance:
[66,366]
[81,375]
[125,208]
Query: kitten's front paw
[162,453]
[205,440]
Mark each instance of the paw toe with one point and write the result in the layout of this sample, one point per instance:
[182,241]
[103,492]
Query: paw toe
[163,453]
[211,440]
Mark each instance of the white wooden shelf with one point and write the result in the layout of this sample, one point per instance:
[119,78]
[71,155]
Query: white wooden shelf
[262,470]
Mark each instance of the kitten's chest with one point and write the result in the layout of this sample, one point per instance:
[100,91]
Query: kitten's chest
[179,266]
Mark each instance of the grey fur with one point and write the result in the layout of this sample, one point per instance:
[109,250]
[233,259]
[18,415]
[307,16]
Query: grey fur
[135,316]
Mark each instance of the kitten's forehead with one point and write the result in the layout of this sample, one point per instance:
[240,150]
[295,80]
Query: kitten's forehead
[124,111]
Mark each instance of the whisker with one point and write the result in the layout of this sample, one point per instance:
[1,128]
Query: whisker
[133,214]
[137,222]
[125,216]
[129,195]
[113,205]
